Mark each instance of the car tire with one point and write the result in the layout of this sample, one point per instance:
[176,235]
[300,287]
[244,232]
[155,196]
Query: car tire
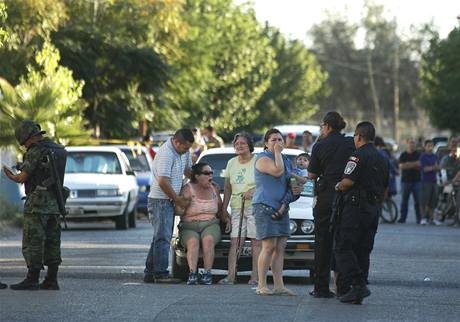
[132,218]
[178,271]
[122,221]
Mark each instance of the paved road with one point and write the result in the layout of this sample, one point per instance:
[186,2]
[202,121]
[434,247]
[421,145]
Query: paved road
[414,277]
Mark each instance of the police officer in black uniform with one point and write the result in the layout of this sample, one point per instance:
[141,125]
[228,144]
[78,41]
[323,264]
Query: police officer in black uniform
[328,159]
[364,182]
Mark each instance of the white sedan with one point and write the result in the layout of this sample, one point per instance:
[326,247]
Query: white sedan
[102,185]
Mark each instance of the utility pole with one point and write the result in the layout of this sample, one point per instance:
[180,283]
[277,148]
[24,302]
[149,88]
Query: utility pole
[396,92]
[375,98]
[396,85]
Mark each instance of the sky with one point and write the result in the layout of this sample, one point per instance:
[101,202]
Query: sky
[295,17]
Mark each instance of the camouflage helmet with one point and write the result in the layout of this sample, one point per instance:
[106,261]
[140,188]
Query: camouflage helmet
[26,130]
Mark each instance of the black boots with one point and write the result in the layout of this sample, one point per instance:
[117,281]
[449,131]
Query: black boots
[2,286]
[30,282]
[50,281]
[355,295]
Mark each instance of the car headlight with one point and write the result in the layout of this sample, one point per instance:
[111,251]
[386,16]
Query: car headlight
[73,194]
[108,192]
[307,227]
[292,226]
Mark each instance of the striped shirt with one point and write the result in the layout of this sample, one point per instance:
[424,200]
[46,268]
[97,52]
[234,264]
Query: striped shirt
[168,163]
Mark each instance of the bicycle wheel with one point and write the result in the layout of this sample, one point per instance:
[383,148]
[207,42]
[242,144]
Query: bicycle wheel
[389,212]
[449,209]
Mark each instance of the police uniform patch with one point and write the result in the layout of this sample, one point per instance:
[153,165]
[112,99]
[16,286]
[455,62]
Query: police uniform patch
[350,167]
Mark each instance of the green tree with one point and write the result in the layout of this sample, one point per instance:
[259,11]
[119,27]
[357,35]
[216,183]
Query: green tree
[119,48]
[3,16]
[226,65]
[440,75]
[48,95]
[29,25]
[296,84]
[364,81]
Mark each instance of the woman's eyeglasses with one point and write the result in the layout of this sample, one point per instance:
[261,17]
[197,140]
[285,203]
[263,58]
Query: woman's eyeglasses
[207,173]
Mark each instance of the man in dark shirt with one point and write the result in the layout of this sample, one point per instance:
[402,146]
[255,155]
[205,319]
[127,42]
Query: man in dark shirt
[364,182]
[328,159]
[409,163]
[429,165]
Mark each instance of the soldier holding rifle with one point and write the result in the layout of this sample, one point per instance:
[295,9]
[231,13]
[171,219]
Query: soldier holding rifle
[42,173]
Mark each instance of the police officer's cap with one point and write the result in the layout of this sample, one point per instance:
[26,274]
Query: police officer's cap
[26,130]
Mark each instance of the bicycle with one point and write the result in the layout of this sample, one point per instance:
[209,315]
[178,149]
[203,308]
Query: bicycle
[389,212]
[447,208]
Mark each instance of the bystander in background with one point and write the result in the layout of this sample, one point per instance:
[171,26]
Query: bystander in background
[307,141]
[211,138]
[409,163]
[429,165]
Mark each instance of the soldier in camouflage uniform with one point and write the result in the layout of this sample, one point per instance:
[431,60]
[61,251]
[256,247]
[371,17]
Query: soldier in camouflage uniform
[41,243]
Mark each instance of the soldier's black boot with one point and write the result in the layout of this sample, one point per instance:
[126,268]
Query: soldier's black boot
[50,281]
[2,286]
[355,295]
[30,282]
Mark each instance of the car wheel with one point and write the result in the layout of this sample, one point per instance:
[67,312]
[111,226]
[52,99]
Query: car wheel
[122,222]
[178,271]
[132,218]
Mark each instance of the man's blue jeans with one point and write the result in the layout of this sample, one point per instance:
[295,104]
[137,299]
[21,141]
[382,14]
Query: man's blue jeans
[409,188]
[161,214]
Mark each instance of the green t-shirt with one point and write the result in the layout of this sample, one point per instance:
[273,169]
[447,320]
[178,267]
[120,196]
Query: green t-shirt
[241,178]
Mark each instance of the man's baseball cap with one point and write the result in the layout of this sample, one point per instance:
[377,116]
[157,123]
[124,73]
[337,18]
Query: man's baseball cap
[291,135]
[26,130]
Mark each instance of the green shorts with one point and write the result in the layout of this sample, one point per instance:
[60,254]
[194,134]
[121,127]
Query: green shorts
[198,230]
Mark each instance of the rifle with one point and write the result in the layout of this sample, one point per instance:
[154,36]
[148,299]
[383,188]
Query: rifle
[337,207]
[56,182]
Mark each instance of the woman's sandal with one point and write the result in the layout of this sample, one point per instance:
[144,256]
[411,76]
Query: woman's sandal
[284,292]
[226,281]
[264,291]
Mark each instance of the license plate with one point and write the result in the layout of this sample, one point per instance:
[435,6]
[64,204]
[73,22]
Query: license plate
[302,246]
[246,251]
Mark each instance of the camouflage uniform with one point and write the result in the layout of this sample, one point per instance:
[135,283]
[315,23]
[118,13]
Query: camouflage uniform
[41,243]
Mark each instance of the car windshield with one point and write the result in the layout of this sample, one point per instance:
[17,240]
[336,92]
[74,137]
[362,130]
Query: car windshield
[138,162]
[218,163]
[93,162]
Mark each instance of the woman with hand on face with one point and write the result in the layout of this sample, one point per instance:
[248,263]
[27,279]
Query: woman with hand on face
[200,222]
[240,184]
[272,174]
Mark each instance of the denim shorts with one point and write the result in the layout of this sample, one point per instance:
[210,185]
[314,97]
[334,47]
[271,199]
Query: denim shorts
[266,226]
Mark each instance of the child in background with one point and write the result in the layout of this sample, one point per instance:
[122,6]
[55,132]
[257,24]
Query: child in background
[298,178]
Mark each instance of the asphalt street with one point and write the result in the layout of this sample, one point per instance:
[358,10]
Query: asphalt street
[414,277]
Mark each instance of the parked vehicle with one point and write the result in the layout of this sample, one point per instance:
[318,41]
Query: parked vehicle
[102,185]
[299,249]
[141,163]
